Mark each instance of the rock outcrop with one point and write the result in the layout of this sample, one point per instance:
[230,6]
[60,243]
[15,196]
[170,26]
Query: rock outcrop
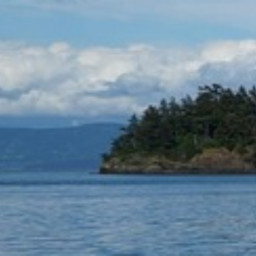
[220,159]
[210,161]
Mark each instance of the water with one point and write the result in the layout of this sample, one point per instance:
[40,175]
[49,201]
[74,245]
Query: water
[64,214]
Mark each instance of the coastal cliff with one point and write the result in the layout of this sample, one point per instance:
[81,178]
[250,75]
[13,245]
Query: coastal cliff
[215,132]
[210,161]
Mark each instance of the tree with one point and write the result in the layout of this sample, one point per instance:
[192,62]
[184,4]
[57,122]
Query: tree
[217,116]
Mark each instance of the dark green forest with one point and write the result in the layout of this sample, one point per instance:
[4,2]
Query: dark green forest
[180,129]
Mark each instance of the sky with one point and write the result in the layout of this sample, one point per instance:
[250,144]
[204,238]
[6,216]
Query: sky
[69,62]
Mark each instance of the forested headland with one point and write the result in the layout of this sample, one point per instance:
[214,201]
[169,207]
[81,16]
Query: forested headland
[215,130]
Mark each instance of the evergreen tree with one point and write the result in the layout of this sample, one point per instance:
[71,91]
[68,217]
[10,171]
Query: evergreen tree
[216,117]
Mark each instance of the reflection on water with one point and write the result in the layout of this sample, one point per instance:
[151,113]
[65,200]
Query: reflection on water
[77,214]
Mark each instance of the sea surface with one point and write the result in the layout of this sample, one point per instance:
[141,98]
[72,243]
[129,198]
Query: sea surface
[64,214]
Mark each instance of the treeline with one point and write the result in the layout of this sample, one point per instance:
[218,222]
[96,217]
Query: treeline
[216,117]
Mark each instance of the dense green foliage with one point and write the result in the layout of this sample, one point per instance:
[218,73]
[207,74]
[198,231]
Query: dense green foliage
[216,117]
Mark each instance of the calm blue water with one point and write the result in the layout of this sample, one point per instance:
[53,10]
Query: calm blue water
[66,214]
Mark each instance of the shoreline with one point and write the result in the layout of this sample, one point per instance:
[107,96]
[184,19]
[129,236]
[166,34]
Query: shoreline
[182,173]
[211,161]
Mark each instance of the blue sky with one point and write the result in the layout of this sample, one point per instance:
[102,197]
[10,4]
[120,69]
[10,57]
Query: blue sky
[101,60]
[112,23]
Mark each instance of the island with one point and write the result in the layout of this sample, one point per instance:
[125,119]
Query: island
[213,132]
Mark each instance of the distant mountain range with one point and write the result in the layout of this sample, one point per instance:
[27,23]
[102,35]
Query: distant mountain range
[75,148]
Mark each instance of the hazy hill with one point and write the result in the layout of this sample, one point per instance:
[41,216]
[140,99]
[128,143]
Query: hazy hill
[76,148]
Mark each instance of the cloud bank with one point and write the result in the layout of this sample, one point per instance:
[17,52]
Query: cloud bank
[64,81]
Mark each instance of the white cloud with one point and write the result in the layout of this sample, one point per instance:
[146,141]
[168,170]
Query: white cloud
[65,81]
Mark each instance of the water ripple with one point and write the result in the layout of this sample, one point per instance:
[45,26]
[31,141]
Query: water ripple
[131,216]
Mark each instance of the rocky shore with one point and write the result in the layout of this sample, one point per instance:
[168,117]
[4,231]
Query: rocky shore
[210,161]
